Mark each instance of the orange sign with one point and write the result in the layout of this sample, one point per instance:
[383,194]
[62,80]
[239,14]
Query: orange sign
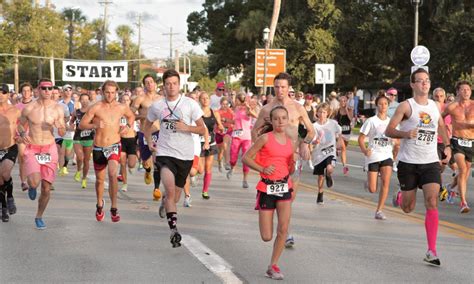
[276,63]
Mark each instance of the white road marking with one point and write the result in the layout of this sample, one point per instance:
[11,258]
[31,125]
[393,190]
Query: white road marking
[350,165]
[211,260]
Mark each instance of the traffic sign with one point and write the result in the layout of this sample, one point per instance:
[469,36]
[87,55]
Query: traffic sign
[416,67]
[420,55]
[325,73]
[276,63]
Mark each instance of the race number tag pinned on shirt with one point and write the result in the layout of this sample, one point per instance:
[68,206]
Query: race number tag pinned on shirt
[202,139]
[327,150]
[381,142]
[43,158]
[123,121]
[3,153]
[85,133]
[108,151]
[277,188]
[170,125]
[465,143]
[237,133]
[345,127]
[424,137]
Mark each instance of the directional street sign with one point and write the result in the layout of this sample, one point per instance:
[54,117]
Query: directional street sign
[276,63]
[325,73]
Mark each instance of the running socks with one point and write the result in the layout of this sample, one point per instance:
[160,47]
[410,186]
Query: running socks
[9,187]
[431,227]
[172,219]
[147,169]
[156,178]
[206,182]
[66,161]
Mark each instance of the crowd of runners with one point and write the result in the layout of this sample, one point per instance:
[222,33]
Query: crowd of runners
[174,139]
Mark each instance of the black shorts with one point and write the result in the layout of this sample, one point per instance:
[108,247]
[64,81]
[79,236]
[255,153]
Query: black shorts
[319,168]
[269,201]
[99,155]
[412,176]
[129,145]
[466,151]
[209,152]
[58,141]
[179,168]
[441,154]
[375,166]
[9,153]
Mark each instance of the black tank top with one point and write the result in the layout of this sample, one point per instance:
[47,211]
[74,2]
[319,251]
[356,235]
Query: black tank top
[311,114]
[210,122]
[344,122]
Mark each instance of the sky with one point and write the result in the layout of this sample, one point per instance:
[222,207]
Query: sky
[162,14]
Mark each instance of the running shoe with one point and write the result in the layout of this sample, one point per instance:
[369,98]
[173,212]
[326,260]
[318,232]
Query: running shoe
[290,241]
[24,186]
[124,187]
[77,176]
[394,167]
[310,164]
[40,225]
[63,172]
[451,195]
[120,178]
[227,167]
[245,184]
[99,212]
[114,215]
[148,178]
[345,170]
[175,238]
[432,259]
[274,272]
[32,193]
[219,164]
[464,208]
[205,195]
[84,183]
[380,216]
[11,206]
[156,194]
[5,217]
[397,197]
[229,174]
[162,210]
[329,181]
[320,200]
[443,193]
[187,201]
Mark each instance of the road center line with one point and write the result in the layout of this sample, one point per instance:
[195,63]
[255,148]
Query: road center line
[211,260]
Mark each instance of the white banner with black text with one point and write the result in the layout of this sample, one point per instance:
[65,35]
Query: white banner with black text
[95,71]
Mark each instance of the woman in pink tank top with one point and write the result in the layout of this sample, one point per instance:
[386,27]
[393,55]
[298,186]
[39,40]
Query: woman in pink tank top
[272,157]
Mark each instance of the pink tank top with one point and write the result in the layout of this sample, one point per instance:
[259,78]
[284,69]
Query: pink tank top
[274,153]
[242,122]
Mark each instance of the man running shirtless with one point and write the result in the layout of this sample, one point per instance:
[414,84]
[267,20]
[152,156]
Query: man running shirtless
[104,117]
[462,142]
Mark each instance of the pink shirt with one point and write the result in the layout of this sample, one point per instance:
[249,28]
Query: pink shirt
[242,122]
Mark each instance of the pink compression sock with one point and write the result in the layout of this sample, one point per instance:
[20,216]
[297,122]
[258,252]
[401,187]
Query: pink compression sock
[207,182]
[431,227]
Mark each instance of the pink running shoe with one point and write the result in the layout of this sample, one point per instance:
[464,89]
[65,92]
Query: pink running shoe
[274,272]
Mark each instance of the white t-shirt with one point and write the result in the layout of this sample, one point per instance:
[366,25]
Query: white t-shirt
[327,134]
[216,102]
[171,142]
[381,145]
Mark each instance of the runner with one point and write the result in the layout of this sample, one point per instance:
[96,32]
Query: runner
[141,104]
[392,94]
[217,97]
[224,139]
[208,143]
[41,155]
[129,146]
[66,152]
[462,142]
[328,137]
[378,156]
[241,135]
[175,149]
[418,166]
[343,116]
[296,113]
[9,116]
[104,116]
[83,141]
[272,157]
[26,97]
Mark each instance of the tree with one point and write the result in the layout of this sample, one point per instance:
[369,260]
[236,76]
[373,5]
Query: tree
[74,17]
[125,33]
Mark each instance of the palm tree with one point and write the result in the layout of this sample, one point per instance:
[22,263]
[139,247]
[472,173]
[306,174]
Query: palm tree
[124,33]
[73,16]
[98,28]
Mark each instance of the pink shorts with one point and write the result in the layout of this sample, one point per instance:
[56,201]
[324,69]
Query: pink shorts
[41,159]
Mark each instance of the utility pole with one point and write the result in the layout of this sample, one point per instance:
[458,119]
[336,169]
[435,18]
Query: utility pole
[171,43]
[104,41]
[139,24]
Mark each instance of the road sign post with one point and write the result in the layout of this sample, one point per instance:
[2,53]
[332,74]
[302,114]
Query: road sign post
[267,67]
[324,74]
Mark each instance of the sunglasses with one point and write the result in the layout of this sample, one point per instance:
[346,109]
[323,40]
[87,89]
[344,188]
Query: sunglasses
[221,89]
[46,88]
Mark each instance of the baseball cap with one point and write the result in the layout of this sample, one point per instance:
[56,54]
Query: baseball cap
[392,91]
[67,86]
[4,88]
[220,85]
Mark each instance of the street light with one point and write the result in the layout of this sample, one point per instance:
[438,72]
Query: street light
[417,4]
[266,33]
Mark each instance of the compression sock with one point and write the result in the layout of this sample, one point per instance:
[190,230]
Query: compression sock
[431,227]
[9,187]
[156,178]
[172,219]
[66,161]
[206,182]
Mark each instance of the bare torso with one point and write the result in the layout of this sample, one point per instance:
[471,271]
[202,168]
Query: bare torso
[462,113]
[107,117]
[9,116]
[42,116]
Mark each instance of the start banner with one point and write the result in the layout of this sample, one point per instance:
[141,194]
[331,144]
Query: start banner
[95,71]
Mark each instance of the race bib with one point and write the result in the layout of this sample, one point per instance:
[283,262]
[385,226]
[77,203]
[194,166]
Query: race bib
[346,128]
[328,150]
[465,143]
[170,125]
[123,121]
[43,158]
[3,153]
[86,133]
[237,133]
[277,188]
[424,137]
[108,151]
[381,142]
